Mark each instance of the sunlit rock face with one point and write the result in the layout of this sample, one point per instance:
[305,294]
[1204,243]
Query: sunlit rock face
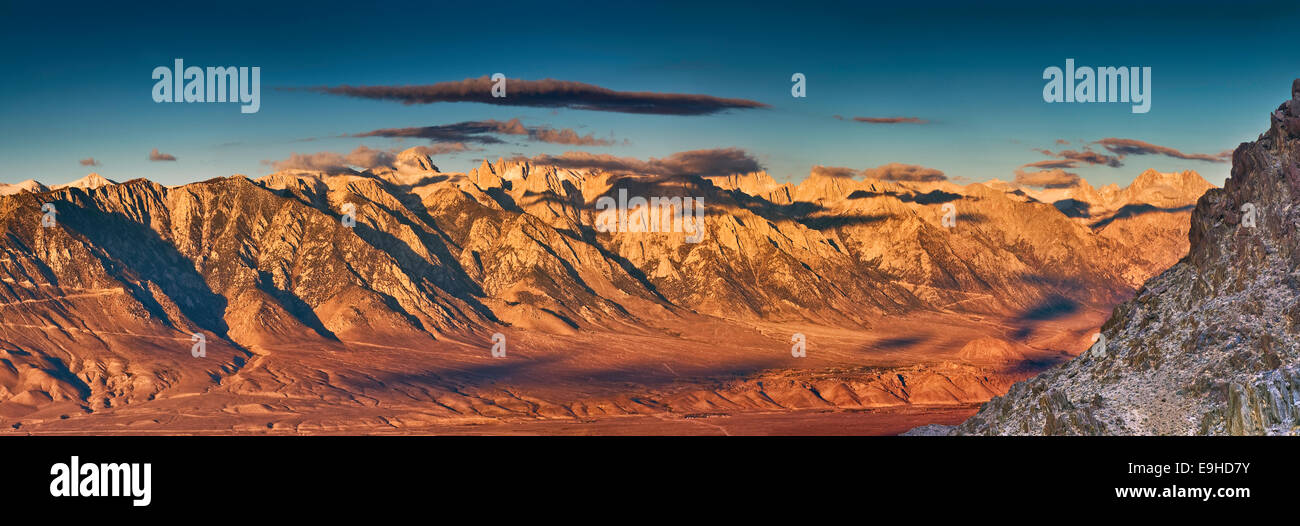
[1210,346]
[336,300]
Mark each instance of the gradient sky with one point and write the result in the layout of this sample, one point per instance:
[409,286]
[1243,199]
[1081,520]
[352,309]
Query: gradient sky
[77,82]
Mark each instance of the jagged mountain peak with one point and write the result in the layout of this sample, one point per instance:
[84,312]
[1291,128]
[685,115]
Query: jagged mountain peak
[486,168]
[1151,176]
[28,186]
[1165,188]
[821,186]
[752,183]
[416,158]
[89,182]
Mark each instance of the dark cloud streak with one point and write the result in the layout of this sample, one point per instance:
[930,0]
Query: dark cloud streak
[1069,158]
[546,93]
[1124,147]
[483,132]
[887,120]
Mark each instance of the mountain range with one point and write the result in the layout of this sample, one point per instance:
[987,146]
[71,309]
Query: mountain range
[310,323]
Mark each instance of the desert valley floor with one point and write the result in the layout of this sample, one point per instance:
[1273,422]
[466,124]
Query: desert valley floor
[905,373]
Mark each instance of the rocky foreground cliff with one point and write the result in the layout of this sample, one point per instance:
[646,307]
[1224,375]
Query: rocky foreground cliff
[1209,347]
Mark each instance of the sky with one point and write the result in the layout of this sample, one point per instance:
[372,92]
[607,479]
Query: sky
[967,80]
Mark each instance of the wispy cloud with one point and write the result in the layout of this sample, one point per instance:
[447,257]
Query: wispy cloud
[89,161]
[711,162]
[834,171]
[1050,178]
[1124,147]
[1052,172]
[485,132]
[156,155]
[365,158]
[446,148]
[886,120]
[362,157]
[546,93]
[1085,156]
[1052,163]
[904,172]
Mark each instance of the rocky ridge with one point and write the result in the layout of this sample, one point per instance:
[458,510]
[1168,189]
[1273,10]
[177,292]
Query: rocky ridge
[1209,347]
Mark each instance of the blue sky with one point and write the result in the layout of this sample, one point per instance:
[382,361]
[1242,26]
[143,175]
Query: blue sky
[78,81]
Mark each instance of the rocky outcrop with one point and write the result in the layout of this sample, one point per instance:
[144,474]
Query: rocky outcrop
[1211,346]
